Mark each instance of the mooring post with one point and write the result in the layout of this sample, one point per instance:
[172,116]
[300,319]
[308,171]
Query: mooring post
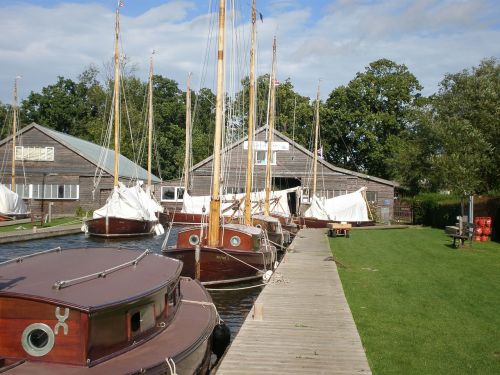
[258,311]
[197,250]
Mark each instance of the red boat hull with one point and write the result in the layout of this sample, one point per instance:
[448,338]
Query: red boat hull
[243,254]
[216,267]
[113,227]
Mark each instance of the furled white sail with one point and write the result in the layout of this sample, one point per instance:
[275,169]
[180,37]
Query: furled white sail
[232,204]
[129,203]
[349,207]
[11,203]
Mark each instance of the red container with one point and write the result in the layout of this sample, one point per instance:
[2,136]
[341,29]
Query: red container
[486,231]
[488,221]
[476,220]
[477,238]
[478,231]
[482,221]
[484,238]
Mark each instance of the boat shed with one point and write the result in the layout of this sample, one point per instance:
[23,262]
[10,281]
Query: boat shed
[57,170]
[291,167]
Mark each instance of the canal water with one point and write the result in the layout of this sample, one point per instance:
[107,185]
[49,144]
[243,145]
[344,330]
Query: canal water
[233,305]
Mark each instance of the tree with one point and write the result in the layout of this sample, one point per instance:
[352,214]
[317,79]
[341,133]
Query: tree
[360,118]
[467,108]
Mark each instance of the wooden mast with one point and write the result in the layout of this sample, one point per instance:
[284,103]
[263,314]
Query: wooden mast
[316,136]
[14,131]
[188,134]
[214,215]
[271,129]
[251,120]
[150,118]
[116,95]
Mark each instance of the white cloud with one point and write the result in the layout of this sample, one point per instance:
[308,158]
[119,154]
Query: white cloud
[432,37]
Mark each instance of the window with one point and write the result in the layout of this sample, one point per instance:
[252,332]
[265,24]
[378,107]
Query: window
[172,193]
[55,191]
[371,196]
[34,153]
[261,158]
[22,190]
[337,193]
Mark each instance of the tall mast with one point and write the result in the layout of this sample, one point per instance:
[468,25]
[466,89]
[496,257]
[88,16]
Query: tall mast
[251,119]
[188,134]
[316,136]
[14,131]
[150,118]
[116,94]
[271,129]
[214,215]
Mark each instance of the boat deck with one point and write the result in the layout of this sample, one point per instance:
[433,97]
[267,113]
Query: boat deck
[307,326]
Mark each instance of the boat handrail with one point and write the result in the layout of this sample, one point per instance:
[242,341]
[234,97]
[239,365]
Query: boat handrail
[66,283]
[21,258]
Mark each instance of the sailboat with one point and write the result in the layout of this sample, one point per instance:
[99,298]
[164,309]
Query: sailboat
[351,208]
[230,253]
[129,211]
[12,205]
[270,224]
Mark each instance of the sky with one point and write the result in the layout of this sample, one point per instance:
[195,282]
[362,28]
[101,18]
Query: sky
[322,39]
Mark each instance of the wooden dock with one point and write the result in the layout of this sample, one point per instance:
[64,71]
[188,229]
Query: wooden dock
[307,326]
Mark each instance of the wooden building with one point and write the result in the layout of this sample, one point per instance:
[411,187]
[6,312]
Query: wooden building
[291,167]
[57,170]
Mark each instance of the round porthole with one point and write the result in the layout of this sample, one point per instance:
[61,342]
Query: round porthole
[194,239]
[37,339]
[258,226]
[235,241]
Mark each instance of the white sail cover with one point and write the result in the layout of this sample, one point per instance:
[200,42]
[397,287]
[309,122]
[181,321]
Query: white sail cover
[11,203]
[278,204]
[349,207]
[129,203]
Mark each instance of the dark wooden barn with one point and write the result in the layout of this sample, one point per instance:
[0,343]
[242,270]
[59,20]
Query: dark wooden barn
[291,167]
[56,169]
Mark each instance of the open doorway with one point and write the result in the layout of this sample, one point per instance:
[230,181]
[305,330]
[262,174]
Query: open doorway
[283,183]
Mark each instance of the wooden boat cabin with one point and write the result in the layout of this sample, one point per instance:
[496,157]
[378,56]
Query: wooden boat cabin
[102,311]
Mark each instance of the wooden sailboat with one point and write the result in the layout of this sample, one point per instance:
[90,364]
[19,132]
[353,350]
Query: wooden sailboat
[14,205]
[113,226]
[269,223]
[312,222]
[233,252]
[102,311]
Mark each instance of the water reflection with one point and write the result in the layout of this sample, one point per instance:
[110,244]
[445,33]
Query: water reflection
[233,306]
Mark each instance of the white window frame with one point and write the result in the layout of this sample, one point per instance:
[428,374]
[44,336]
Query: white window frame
[375,193]
[176,194]
[52,191]
[34,153]
[263,161]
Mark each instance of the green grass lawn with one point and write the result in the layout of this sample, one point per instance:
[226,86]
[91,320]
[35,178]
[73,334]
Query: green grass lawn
[55,222]
[422,307]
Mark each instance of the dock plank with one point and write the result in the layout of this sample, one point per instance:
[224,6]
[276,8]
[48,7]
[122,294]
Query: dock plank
[307,326]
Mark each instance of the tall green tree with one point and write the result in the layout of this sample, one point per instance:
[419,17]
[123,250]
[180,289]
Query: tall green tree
[360,118]
[467,108]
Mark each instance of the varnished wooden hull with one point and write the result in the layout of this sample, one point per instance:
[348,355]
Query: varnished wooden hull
[181,218]
[113,227]
[232,261]
[216,267]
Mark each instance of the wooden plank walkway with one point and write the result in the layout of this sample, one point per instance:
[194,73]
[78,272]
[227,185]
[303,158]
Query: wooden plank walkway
[307,326]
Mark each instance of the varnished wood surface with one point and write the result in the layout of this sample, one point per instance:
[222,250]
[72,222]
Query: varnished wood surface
[307,326]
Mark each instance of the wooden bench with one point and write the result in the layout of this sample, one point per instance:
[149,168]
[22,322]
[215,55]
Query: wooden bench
[459,232]
[338,229]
